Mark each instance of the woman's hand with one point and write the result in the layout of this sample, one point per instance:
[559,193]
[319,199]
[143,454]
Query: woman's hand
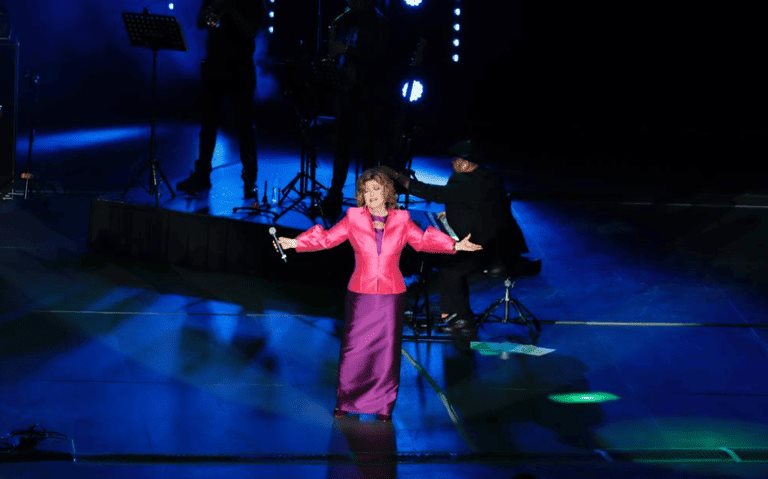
[286,243]
[466,245]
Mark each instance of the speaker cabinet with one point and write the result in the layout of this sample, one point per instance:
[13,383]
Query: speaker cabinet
[9,107]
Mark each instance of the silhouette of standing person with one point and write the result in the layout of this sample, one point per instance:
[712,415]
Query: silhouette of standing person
[227,72]
[358,47]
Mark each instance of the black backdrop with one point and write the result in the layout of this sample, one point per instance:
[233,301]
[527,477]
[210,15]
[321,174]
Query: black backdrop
[666,86]
[8,115]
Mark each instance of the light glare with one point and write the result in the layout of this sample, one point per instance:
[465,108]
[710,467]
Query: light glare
[416,90]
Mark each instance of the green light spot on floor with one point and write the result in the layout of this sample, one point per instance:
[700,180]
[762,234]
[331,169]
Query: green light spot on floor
[583,397]
[487,348]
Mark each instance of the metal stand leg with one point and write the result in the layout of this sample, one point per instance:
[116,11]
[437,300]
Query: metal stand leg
[156,174]
[524,315]
[420,315]
[309,187]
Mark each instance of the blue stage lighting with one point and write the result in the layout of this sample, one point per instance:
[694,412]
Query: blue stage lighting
[457,11]
[271,14]
[455,58]
[85,138]
[170,6]
[456,27]
[412,3]
[271,29]
[412,90]
[456,42]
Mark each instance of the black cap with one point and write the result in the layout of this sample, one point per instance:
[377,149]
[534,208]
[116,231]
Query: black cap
[464,149]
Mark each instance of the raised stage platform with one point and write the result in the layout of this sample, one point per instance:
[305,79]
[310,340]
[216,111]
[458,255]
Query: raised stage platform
[207,242]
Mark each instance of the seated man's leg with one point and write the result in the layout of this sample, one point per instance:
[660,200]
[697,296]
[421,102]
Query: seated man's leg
[454,290]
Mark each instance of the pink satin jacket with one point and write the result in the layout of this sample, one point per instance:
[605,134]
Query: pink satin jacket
[374,273]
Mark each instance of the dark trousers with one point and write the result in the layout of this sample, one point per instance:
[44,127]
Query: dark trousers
[359,115]
[453,282]
[219,82]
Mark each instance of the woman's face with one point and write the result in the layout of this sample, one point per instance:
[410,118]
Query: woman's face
[373,194]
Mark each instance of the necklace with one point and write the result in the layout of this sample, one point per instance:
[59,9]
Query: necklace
[378,220]
[381,213]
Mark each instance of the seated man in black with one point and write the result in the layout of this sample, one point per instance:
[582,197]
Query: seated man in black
[476,204]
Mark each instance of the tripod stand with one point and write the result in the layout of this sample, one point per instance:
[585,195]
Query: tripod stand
[308,186]
[524,315]
[304,184]
[157,32]
[26,174]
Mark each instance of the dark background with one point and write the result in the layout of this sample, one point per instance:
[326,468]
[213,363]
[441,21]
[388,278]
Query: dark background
[669,88]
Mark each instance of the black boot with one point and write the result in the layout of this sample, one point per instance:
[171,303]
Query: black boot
[250,191]
[458,325]
[198,180]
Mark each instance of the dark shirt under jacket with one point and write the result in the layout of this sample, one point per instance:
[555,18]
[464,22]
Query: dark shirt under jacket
[234,39]
[476,203]
[365,36]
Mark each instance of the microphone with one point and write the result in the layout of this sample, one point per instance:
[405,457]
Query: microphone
[272,232]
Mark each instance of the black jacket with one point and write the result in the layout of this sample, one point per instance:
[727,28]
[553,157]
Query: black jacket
[239,21]
[477,203]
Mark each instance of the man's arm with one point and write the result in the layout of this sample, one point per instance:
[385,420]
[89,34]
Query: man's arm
[438,193]
[449,193]
[395,175]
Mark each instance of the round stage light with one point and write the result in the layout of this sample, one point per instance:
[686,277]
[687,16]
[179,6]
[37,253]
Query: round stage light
[412,90]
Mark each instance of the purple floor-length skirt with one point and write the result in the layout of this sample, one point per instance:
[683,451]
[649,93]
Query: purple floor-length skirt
[369,361]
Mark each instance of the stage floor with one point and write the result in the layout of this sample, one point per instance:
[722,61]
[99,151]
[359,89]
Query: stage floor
[123,367]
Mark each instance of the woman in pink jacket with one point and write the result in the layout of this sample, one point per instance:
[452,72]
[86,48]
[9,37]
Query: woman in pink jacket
[369,361]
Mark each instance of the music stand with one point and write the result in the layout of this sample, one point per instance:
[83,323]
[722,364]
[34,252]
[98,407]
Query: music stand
[26,173]
[156,32]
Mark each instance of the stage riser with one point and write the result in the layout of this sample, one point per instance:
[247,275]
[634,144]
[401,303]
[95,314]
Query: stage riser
[209,243]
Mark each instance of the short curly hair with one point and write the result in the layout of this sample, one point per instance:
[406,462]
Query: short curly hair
[373,174]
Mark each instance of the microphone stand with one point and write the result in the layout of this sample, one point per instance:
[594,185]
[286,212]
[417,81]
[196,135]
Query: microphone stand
[26,174]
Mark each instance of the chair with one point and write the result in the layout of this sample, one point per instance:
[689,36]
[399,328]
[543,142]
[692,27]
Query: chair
[510,271]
